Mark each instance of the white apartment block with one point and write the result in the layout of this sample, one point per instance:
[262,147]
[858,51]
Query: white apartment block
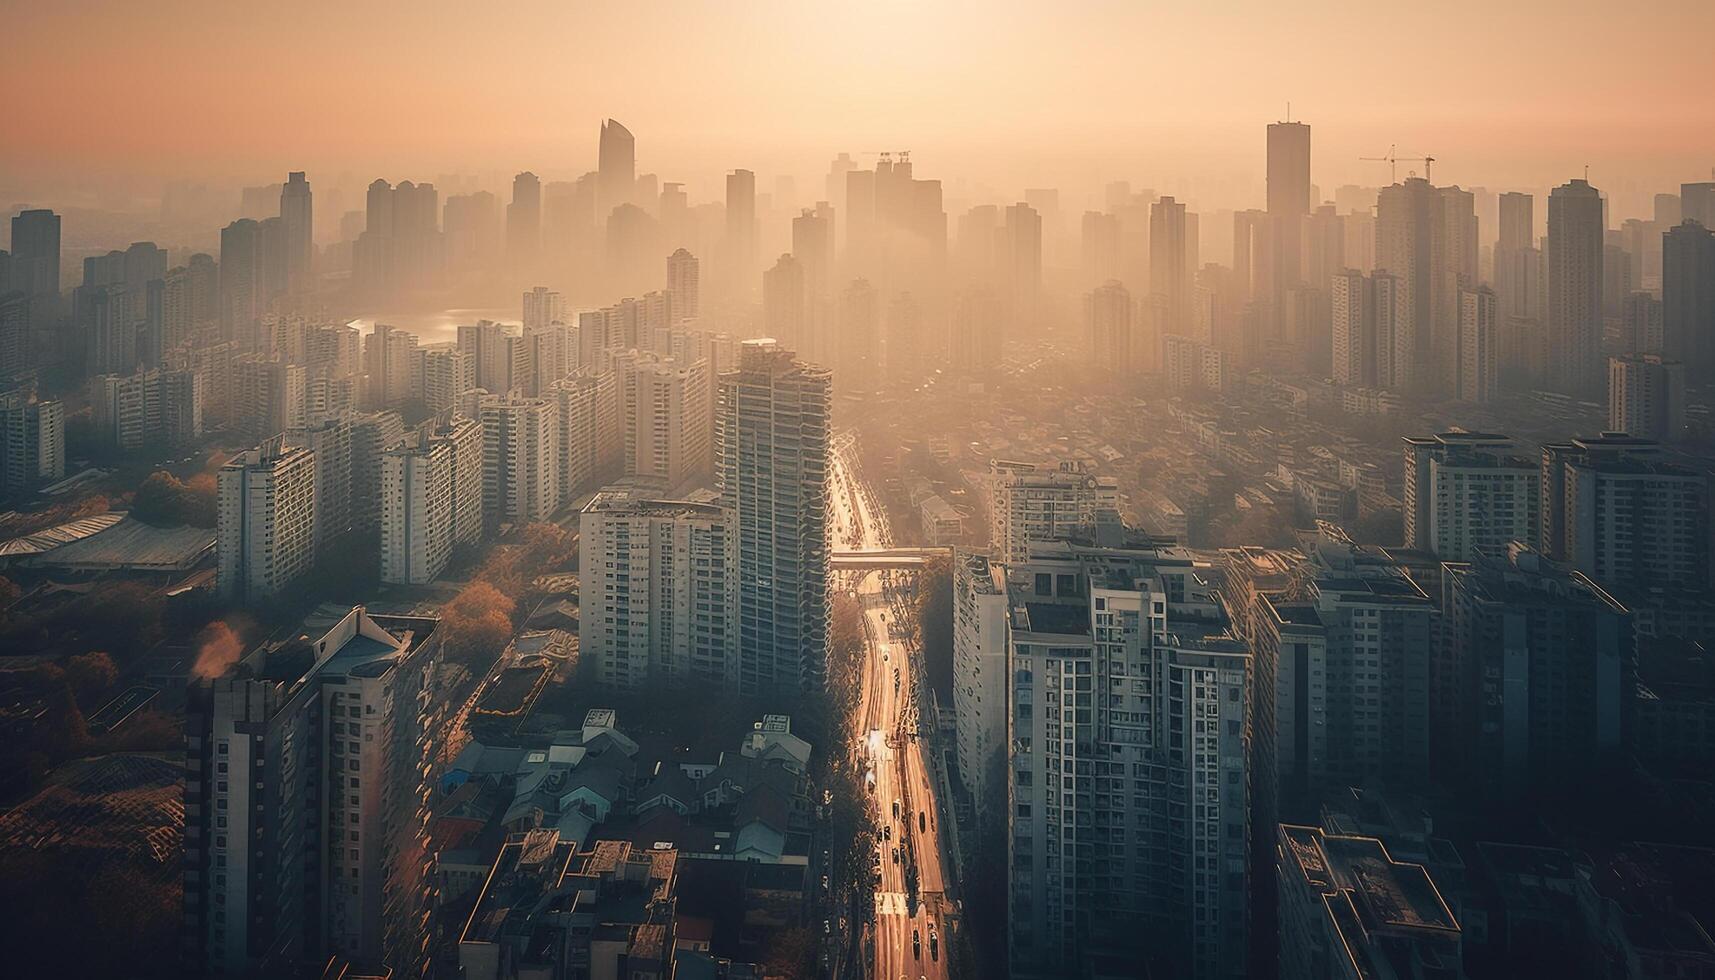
[521,459]
[1469,490]
[431,500]
[1030,503]
[980,679]
[591,443]
[659,603]
[667,417]
[1129,777]
[266,534]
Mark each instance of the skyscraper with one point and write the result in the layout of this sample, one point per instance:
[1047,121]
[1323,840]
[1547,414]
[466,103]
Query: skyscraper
[1477,345]
[1574,283]
[297,216]
[772,434]
[1108,329]
[741,227]
[1469,490]
[1646,397]
[36,262]
[524,220]
[243,282]
[1029,504]
[1614,508]
[1697,203]
[1170,264]
[431,500]
[1517,261]
[616,167]
[521,459]
[1426,237]
[1020,266]
[664,408]
[1288,203]
[1688,296]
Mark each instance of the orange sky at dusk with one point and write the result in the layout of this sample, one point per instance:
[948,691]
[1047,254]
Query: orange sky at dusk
[1505,92]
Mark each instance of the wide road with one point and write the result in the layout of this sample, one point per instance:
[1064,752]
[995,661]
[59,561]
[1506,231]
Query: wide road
[887,707]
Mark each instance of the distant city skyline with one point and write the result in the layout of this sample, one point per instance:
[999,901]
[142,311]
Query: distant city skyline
[821,78]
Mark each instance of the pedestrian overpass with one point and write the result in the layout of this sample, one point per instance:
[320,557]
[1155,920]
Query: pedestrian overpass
[885,559]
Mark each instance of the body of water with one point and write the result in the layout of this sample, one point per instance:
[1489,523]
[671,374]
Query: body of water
[435,326]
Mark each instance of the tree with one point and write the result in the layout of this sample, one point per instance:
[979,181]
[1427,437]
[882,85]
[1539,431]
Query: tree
[477,623]
[164,501]
[91,674]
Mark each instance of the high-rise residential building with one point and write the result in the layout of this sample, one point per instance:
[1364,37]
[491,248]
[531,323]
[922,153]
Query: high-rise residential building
[446,374]
[1426,238]
[471,228]
[189,301]
[856,347]
[32,443]
[1170,263]
[330,441]
[521,459]
[243,282]
[524,221]
[1688,296]
[1029,503]
[1518,263]
[813,245]
[658,577]
[1642,329]
[1167,761]
[1099,252]
[267,520]
[372,434]
[1615,509]
[110,331]
[787,306]
[431,499]
[1477,345]
[1109,331]
[36,263]
[543,306]
[1469,490]
[1574,289]
[1348,908]
[296,217]
[17,340]
[1020,266]
[149,407]
[772,470]
[684,285]
[741,226]
[980,681]
[592,444]
[1542,657]
[616,167]
[1646,397]
[496,354]
[269,395]
[1361,711]
[1697,203]
[1364,311]
[974,342]
[306,803]
[664,408]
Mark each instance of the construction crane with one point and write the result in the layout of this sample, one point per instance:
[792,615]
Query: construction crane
[1392,160]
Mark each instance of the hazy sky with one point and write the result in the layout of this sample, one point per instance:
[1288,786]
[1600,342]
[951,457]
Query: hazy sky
[1503,92]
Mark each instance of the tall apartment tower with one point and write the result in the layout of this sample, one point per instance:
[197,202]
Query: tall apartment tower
[1109,331]
[1030,503]
[1574,286]
[306,807]
[616,167]
[431,499]
[521,459]
[266,537]
[524,220]
[591,442]
[660,607]
[1469,490]
[1020,266]
[1175,895]
[1646,397]
[684,285]
[1426,237]
[1363,309]
[1688,296]
[330,441]
[297,220]
[1542,659]
[772,438]
[1477,345]
[1616,510]
[741,226]
[1170,264]
[664,408]
[1517,260]
[544,306]
[36,263]
[980,680]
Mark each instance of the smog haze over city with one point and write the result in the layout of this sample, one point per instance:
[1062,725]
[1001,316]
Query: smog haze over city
[813,491]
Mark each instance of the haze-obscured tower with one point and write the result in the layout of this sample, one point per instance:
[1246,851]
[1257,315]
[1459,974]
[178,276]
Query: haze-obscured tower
[524,219]
[298,219]
[1575,223]
[616,167]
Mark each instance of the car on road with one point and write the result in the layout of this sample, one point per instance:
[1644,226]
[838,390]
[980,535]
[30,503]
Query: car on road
[916,944]
[922,823]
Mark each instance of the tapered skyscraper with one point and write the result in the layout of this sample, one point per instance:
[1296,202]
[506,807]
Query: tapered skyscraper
[616,167]
[295,215]
[772,468]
